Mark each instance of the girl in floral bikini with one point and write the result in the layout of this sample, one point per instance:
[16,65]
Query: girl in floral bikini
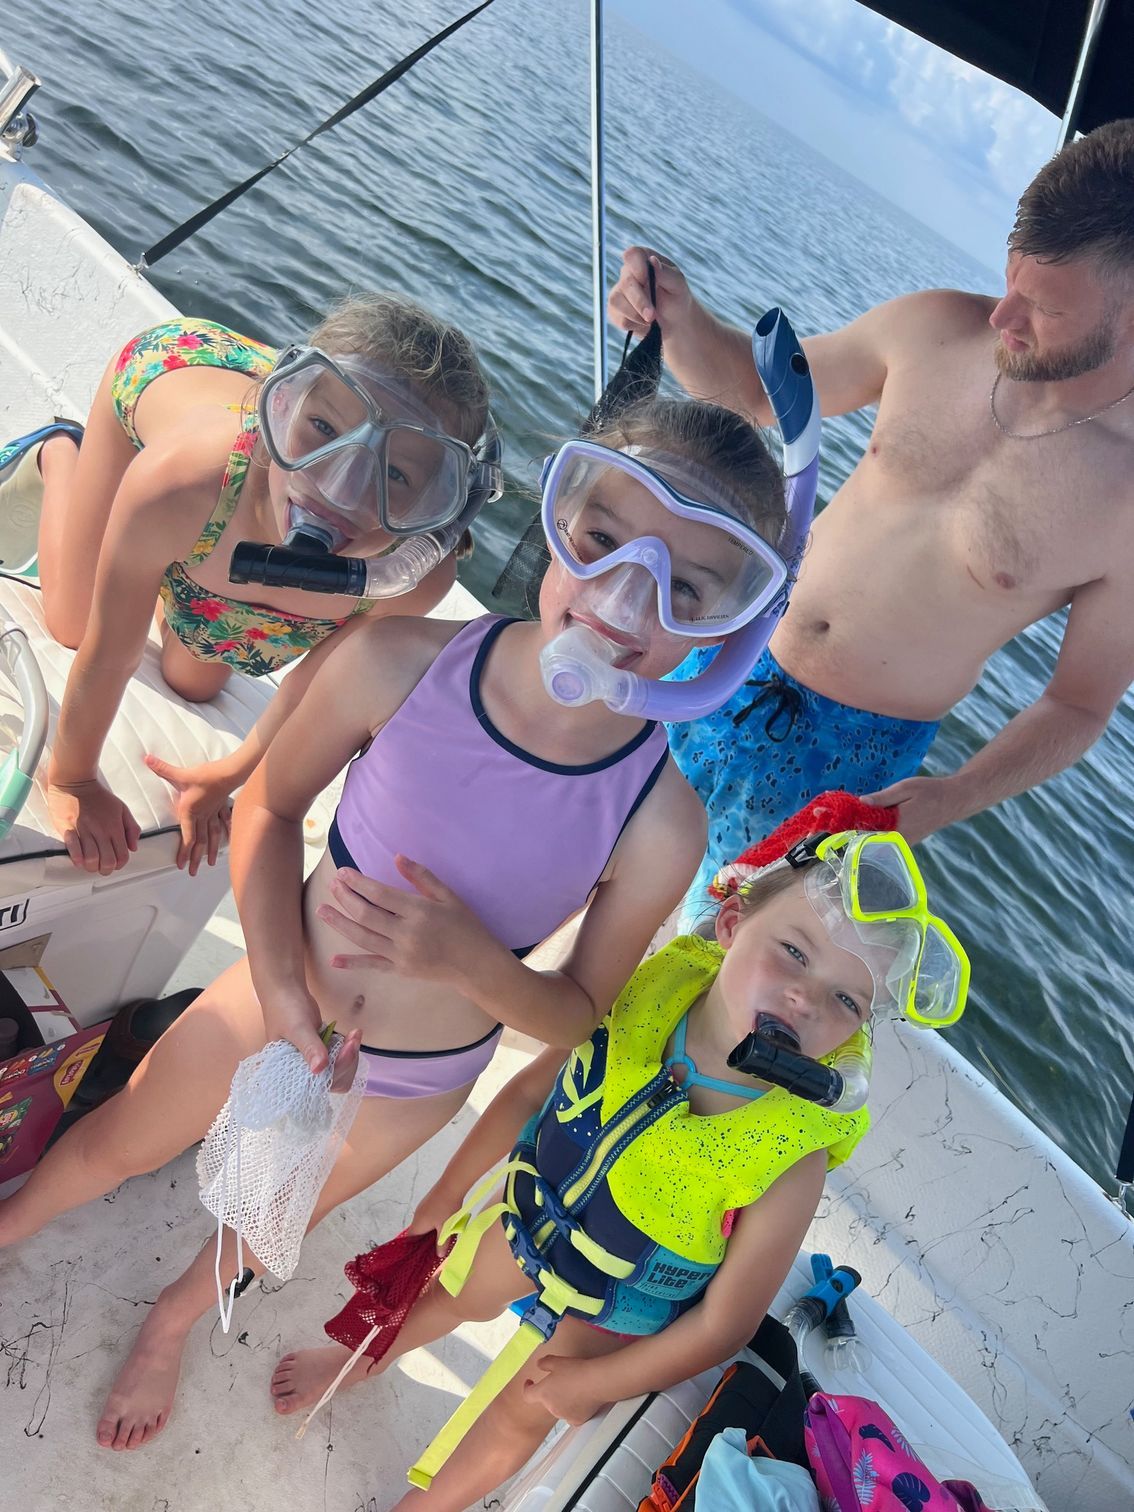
[167,468]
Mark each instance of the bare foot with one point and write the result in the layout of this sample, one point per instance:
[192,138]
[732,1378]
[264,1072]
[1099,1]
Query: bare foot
[141,1399]
[300,1379]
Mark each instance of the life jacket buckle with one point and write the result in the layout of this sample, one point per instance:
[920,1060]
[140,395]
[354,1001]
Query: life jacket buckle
[552,1205]
[527,1257]
[541,1317]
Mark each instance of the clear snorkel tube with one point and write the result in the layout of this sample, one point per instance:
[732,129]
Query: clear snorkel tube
[577,665]
[307,558]
[17,774]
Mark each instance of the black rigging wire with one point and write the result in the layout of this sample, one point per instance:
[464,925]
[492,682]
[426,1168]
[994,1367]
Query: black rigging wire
[391,76]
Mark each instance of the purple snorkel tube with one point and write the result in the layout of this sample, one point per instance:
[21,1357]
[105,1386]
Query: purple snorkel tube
[786,377]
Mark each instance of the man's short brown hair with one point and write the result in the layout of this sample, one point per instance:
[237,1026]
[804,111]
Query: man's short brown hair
[1081,203]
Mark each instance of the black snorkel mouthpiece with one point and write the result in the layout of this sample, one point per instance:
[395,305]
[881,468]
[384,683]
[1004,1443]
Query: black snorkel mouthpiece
[304,562]
[772,1054]
[309,537]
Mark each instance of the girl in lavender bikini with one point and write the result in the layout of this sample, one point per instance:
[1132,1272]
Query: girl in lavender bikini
[487,805]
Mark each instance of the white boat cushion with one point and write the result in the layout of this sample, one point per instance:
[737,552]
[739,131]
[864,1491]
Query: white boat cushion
[150,719]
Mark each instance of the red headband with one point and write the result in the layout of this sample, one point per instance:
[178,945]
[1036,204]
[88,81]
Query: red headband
[828,813]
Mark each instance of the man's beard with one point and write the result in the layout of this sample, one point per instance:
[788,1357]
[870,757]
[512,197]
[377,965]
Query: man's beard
[1093,352]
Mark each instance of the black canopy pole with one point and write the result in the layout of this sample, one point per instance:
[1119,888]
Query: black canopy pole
[1091,33]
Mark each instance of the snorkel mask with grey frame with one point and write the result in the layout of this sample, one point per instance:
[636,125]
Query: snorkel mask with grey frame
[368,455]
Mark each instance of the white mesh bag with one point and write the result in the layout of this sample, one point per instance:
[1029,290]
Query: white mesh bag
[268,1153]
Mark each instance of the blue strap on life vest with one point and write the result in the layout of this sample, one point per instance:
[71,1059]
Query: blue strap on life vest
[693,1077]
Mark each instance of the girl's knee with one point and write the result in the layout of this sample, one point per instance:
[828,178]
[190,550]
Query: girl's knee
[63,625]
[517,1418]
[190,679]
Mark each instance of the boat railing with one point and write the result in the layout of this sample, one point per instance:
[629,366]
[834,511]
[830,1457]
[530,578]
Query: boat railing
[17,125]
[17,773]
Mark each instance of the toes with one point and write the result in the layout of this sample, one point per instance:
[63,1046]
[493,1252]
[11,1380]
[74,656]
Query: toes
[107,1431]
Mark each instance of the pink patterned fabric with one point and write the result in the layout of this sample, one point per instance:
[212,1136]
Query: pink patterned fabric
[862,1463]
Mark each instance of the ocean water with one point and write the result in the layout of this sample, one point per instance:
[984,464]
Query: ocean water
[466,186]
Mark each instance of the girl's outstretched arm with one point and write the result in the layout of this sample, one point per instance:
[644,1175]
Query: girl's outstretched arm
[154,519]
[355,690]
[765,1240]
[490,1140]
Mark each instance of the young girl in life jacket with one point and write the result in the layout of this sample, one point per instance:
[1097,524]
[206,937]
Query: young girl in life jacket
[661,1182]
[482,813]
[369,435]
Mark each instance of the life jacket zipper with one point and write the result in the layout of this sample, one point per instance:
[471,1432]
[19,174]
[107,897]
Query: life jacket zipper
[633,1122]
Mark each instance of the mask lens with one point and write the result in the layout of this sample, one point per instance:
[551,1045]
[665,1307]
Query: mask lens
[426,479]
[880,882]
[309,410]
[713,576]
[942,980]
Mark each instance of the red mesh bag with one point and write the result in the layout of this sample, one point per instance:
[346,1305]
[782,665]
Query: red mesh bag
[827,814]
[388,1280]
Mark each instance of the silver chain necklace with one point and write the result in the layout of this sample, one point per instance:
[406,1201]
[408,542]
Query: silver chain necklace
[1055,429]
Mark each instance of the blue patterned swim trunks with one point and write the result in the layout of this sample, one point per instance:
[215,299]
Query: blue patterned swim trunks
[773,747]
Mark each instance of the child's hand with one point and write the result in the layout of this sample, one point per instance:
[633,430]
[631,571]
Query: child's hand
[428,933]
[97,828]
[435,1207]
[296,1017]
[566,1389]
[204,809]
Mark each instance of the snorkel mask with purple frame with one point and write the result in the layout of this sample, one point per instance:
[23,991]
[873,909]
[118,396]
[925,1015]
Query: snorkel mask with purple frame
[736,588]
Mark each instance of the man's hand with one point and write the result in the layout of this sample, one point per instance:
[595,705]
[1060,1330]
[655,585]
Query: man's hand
[97,828]
[629,306]
[566,1389]
[204,809]
[924,804]
[428,934]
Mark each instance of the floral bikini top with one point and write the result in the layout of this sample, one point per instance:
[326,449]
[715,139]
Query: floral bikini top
[253,638]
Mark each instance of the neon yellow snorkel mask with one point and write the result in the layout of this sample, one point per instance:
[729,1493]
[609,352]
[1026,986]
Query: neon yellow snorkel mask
[869,893]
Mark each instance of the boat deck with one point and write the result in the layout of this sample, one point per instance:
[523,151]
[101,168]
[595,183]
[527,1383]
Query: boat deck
[73,1298]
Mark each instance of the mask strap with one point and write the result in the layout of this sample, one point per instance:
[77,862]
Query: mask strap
[637,379]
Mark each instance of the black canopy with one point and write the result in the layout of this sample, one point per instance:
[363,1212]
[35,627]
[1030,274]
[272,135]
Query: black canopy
[1035,45]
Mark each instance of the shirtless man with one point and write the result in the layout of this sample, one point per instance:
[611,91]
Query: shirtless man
[998,487]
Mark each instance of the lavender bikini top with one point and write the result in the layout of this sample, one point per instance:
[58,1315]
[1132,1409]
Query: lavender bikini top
[520,840]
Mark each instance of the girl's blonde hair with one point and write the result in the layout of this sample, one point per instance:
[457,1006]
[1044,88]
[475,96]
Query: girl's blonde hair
[435,359]
[754,895]
[725,446]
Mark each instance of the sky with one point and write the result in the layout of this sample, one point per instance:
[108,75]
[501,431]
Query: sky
[946,143]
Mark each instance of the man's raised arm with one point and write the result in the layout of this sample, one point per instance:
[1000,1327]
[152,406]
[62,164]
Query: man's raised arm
[712,360]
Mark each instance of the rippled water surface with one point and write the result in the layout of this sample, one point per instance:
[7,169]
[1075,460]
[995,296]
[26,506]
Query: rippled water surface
[466,186]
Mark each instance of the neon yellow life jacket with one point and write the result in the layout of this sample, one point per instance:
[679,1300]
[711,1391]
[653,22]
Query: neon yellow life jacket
[616,1193]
